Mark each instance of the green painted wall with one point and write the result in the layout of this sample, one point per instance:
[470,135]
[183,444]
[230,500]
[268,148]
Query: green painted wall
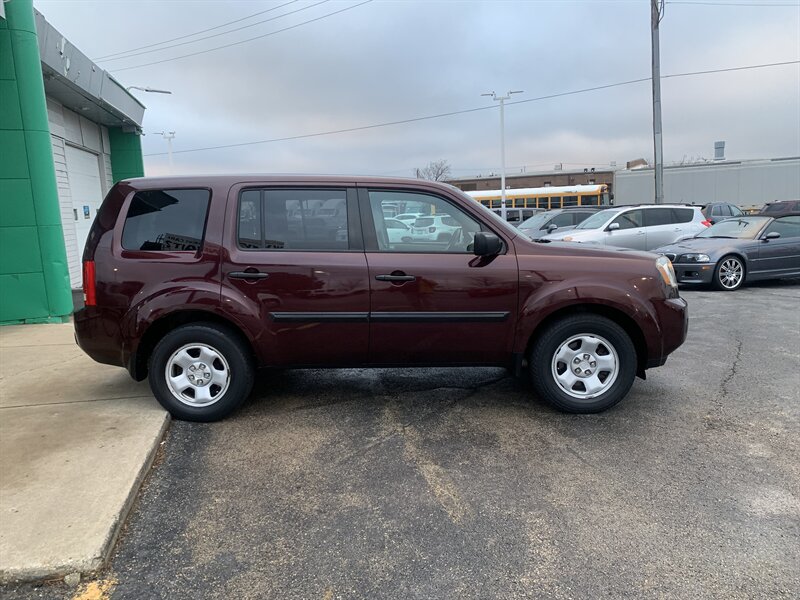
[34,277]
[126,154]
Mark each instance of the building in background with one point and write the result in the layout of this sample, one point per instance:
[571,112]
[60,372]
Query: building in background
[557,178]
[745,183]
[68,130]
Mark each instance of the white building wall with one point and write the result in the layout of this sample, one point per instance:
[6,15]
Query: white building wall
[748,184]
[69,128]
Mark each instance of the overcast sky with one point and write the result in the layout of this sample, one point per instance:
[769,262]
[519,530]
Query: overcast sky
[394,60]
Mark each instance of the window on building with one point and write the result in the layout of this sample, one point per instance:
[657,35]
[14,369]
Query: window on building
[166,220]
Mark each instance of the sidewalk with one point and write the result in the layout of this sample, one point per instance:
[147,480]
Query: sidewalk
[76,439]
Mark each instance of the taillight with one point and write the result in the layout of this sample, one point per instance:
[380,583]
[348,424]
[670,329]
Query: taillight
[707,223]
[89,291]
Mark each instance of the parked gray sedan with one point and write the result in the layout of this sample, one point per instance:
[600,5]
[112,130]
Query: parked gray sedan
[737,250]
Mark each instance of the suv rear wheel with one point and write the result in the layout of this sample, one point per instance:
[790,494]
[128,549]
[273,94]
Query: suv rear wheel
[583,364]
[200,372]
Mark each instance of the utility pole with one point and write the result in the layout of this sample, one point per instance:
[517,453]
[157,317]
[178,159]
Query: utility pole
[169,136]
[656,14]
[502,100]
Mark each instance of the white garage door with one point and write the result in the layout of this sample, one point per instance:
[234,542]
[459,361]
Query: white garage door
[86,189]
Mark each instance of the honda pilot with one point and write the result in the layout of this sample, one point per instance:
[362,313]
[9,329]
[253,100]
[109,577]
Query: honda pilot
[198,282]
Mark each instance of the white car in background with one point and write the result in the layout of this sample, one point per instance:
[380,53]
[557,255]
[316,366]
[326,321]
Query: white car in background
[434,228]
[397,231]
[409,218]
[640,227]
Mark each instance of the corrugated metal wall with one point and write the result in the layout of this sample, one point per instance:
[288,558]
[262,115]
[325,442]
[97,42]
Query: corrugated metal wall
[748,184]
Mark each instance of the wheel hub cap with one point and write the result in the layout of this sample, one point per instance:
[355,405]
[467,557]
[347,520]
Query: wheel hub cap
[197,374]
[585,366]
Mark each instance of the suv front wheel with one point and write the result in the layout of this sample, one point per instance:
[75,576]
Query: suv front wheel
[200,372]
[583,364]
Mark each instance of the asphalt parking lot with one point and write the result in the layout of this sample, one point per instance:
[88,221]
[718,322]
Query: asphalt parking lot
[455,483]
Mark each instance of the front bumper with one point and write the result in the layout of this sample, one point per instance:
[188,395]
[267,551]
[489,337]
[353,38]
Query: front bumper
[673,315]
[697,273]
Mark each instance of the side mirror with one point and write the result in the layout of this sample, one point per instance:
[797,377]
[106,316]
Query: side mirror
[612,227]
[772,235]
[552,227]
[486,244]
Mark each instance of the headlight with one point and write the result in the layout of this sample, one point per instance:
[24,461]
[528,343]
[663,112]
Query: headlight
[664,267]
[693,257]
[567,239]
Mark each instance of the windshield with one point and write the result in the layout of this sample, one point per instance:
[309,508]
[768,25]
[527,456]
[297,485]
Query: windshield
[598,219]
[746,228]
[536,221]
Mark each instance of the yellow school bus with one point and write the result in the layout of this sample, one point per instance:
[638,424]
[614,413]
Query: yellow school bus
[546,197]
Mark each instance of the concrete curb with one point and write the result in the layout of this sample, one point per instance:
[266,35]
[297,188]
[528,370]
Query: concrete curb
[90,564]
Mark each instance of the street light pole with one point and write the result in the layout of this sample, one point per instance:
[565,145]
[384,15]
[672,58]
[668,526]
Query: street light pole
[168,135]
[656,14]
[502,101]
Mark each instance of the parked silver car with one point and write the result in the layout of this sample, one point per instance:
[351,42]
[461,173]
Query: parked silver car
[638,227]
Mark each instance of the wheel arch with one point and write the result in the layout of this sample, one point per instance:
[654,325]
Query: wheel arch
[138,363]
[613,314]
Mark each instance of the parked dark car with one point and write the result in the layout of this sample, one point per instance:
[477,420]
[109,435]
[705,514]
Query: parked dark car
[561,219]
[198,281]
[717,211]
[780,207]
[737,250]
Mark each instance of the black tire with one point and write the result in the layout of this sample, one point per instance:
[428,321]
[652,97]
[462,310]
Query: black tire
[240,371]
[596,327]
[723,283]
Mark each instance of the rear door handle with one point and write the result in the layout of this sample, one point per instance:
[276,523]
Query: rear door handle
[247,275]
[395,278]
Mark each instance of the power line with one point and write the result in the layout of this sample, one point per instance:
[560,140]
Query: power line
[481,108]
[759,4]
[182,37]
[158,62]
[208,37]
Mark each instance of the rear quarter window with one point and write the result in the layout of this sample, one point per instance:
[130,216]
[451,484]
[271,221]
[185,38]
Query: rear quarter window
[166,220]
[684,215]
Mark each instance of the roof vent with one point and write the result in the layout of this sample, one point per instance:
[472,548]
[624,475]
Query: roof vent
[719,150]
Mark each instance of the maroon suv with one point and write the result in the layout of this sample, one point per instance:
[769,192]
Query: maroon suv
[198,281]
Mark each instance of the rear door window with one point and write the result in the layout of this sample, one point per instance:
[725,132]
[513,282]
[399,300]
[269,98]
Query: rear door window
[166,220]
[293,219]
[658,216]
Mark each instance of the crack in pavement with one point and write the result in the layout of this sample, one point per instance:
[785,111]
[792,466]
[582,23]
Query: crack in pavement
[723,388]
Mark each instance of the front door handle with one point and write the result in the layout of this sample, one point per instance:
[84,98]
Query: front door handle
[395,278]
[247,275]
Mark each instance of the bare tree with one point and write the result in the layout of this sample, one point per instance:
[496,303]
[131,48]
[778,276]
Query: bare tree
[438,170]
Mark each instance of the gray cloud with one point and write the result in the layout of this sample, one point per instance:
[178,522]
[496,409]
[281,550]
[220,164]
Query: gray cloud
[386,61]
